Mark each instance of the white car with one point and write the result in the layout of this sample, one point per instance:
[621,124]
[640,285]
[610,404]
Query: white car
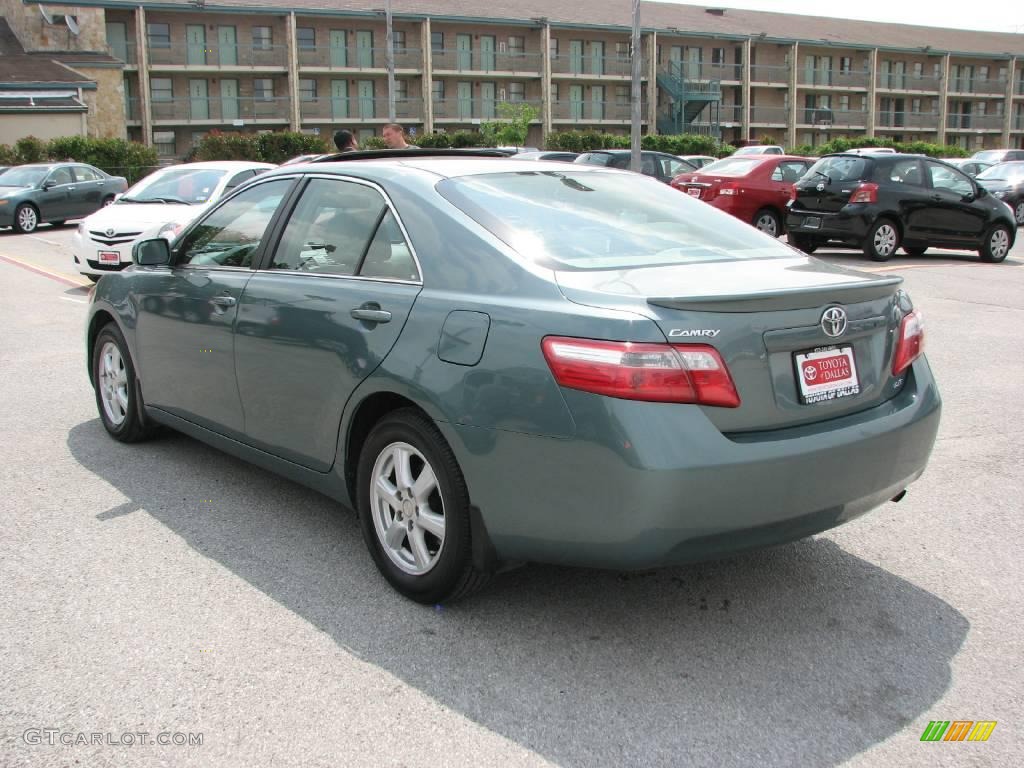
[760,149]
[160,205]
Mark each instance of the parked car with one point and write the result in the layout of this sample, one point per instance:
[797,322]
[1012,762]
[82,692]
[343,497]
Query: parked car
[754,188]
[759,149]
[659,165]
[449,345]
[872,151]
[564,157]
[971,167]
[881,202]
[52,193]
[698,161]
[166,201]
[1006,182]
[998,155]
[3,169]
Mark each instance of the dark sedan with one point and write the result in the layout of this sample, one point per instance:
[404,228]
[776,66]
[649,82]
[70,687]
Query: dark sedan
[1006,181]
[52,193]
[881,202]
[659,165]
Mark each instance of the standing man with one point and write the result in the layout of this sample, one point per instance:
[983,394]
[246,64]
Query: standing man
[345,141]
[394,136]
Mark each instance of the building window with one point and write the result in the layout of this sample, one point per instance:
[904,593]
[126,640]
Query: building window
[1000,108]
[401,90]
[718,56]
[263,89]
[937,71]
[554,92]
[915,106]
[622,51]
[516,45]
[307,89]
[161,89]
[398,40]
[918,69]
[437,41]
[844,103]
[164,143]
[306,37]
[553,47]
[437,90]
[622,93]
[516,91]
[845,65]
[159,36]
[983,73]
[262,38]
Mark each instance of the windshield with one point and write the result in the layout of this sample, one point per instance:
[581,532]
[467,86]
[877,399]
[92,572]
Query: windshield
[26,176]
[838,168]
[603,220]
[991,156]
[1003,172]
[732,166]
[595,158]
[178,185]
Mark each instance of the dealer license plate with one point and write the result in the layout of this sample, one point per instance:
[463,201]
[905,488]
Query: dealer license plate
[827,373]
[110,257]
[812,222]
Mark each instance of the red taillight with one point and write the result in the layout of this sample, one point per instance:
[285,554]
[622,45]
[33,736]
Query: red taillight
[865,193]
[909,342]
[729,188]
[667,373]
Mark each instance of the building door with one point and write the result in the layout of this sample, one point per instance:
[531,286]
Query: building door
[117,39]
[198,100]
[597,102]
[227,47]
[596,57]
[576,57]
[463,52]
[899,75]
[339,98]
[487,101]
[366,110]
[228,100]
[195,43]
[364,49]
[339,48]
[694,63]
[487,63]
[885,69]
[576,102]
[464,91]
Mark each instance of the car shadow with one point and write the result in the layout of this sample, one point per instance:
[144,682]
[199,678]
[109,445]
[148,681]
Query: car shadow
[858,260]
[801,655]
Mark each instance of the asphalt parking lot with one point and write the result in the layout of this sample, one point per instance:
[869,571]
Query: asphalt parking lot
[165,588]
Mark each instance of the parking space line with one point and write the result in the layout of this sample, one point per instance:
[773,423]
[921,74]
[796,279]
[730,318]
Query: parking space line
[48,242]
[77,301]
[899,267]
[66,279]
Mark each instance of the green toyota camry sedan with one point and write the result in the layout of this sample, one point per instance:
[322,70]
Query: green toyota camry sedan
[497,361]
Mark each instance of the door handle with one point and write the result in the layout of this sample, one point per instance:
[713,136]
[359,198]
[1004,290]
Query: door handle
[224,301]
[371,315]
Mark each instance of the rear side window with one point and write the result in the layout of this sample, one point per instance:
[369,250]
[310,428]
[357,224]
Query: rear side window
[906,172]
[789,171]
[594,158]
[840,168]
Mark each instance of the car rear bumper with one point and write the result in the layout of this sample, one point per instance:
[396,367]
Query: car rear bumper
[850,224]
[647,484]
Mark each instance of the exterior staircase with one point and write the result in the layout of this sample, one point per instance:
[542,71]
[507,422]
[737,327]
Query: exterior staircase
[695,102]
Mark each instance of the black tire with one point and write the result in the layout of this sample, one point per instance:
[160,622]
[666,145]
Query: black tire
[805,243]
[766,220]
[989,250]
[452,575]
[883,231]
[1018,212]
[132,428]
[107,200]
[25,227]
[917,250]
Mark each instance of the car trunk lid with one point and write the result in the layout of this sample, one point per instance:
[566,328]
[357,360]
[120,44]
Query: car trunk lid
[830,182]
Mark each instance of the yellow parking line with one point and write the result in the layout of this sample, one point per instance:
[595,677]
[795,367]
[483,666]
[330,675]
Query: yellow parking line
[62,278]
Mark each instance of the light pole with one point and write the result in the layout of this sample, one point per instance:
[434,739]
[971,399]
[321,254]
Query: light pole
[635,98]
[389,59]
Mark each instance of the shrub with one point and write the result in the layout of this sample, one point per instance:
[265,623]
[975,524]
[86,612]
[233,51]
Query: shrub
[804,150]
[116,156]
[279,146]
[433,141]
[373,142]
[217,145]
[30,149]
[683,144]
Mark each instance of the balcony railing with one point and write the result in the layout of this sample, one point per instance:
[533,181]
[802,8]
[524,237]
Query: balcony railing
[730,113]
[834,78]
[962,122]
[977,85]
[894,81]
[126,52]
[833,118]
[890,119]
[571,64]
[223,109]
[215,55]
[769,115]
[592,110]
[133,109]
[472,108]
[338,108]
[349,57]
[769,74]
[487,61]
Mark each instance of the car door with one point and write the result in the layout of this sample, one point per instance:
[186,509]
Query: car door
[187,312]
[320,315]
[904,189]
[954,215]
[781,180]
[91,188]
[55,203]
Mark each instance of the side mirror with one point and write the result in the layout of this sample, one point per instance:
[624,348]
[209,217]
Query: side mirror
[49,184]
[152,253]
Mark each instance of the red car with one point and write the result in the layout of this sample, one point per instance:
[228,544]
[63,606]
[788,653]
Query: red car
[754,188]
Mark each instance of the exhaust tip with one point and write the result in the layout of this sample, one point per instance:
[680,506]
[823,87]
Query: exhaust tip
[899,496]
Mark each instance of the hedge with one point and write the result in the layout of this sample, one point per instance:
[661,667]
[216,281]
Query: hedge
[116,156]
[275,147]
[844,144]
[682,144]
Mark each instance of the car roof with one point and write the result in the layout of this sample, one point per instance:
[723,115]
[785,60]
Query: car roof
[447,166]
[221,165]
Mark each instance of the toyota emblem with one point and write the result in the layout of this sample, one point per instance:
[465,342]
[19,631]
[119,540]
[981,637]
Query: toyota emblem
[833,321]
[110,233]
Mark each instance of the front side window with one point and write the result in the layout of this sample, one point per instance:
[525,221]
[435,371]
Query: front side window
[61,176]
[231,235]
[950,180]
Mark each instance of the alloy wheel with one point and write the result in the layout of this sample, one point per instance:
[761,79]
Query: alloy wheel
[1018,212]
[113,383]
[767,224]
[28,220]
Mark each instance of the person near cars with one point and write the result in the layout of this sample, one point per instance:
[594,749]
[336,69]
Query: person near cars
[345,141]
[394,136]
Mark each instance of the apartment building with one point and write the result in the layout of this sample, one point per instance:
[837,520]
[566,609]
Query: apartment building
[190,66]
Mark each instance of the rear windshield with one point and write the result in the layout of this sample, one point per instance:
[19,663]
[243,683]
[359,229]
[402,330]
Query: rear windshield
[595,158]
[1004,171]
[991,156]
[733,166]
[594,220]
[839,168]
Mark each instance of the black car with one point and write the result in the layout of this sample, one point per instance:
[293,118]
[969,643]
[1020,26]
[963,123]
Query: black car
[661,166]
[1006,181]
[881,202]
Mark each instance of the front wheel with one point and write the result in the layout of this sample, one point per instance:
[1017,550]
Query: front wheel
[768,221]
[113,376]
[996,244]
[108,200]
[882,241]
[805,243]
[26,219]
[414,510]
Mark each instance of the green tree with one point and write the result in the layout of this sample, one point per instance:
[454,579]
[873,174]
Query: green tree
[512,126]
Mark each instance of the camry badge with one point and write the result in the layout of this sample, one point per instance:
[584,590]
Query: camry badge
[833,321]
